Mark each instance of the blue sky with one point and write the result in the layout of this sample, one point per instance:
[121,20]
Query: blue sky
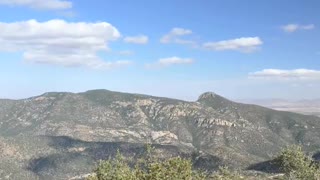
[174,48]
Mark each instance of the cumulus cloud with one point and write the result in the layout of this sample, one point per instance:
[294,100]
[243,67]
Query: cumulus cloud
[174,36]
[279,74]
[59,42]
[244,44]
[140,39]
[39,4]
[165,62]
[294,27]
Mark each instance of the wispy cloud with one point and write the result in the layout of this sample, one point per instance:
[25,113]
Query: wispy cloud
[280,74]
[39,4]
[165,62]
[175,36]
[67,14]
[60,43]
[140,39]
[295,27]
[244,44]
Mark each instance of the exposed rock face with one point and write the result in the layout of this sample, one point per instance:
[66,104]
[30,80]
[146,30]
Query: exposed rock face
[207,96]
[63,134]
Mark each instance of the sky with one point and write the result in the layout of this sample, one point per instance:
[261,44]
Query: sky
[174,48]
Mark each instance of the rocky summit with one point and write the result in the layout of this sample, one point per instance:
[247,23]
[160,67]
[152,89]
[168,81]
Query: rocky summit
[61,135]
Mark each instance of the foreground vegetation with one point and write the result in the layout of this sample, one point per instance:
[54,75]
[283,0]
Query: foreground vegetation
[296,165]
[293,164]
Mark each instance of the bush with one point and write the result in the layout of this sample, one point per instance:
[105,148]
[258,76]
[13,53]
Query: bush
[148,168]
[296,165]
[292,161]
[151,168]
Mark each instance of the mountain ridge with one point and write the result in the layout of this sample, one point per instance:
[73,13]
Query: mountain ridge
[230,133]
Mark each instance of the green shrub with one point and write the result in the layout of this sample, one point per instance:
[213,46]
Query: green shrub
[152,168]
[292,161]
[296,165]
[149,168]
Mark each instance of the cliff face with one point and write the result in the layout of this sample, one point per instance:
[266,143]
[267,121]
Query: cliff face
[62,134]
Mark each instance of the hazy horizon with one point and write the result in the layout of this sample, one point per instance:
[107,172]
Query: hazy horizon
[191,98]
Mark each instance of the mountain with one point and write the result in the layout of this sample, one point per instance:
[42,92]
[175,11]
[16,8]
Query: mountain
[60,135]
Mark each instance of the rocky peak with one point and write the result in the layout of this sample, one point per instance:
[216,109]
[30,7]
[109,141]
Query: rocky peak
[214,100]
[207,96]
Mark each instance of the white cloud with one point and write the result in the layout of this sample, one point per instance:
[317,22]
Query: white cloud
[279,74]
[244,44]
[59,42]
[174,36]
[294,27]
[290,27]
[165,62]
[140,39]
[39,4]
[67,14]
[308,27]
[86,60]
[174,60]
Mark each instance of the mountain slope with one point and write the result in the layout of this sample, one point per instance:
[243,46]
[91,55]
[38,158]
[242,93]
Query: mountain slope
[60,135]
